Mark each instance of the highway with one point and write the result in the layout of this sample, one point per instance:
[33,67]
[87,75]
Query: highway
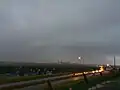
[41,80]
[33,81]
[42,86]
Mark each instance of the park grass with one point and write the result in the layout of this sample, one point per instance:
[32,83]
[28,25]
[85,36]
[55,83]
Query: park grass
[114,84]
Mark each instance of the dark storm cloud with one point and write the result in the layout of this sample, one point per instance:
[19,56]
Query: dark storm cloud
[43,30]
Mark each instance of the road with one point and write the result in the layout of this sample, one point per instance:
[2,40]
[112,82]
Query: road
[42,86]
[33,81]
[37,81]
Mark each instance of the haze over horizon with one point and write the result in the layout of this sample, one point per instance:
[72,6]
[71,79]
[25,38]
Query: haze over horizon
[49,30]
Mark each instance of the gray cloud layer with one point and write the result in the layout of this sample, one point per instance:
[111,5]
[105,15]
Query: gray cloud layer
[47,30]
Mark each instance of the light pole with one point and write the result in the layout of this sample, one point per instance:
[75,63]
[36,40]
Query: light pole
[83,60]
[114,62]
[79,58]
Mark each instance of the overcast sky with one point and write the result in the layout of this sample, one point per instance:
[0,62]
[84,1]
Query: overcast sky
[48,30]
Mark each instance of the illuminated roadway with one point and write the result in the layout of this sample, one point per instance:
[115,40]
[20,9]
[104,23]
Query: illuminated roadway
[42,86]
[38,80]
[33,81]
[44,79]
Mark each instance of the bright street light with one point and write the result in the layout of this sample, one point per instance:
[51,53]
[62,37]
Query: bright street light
[108,65]
[79,58]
